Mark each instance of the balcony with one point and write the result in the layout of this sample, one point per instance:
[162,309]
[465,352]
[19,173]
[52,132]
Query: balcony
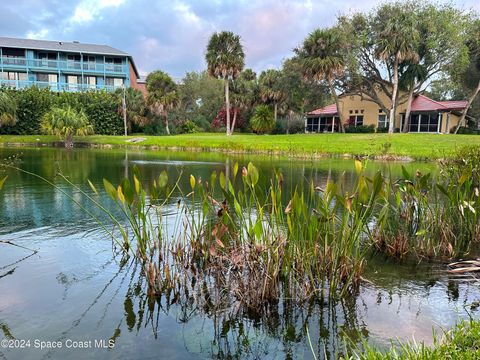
[55,86]
[61,65]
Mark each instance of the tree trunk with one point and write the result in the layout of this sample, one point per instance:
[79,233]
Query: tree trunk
[275,109]
[391,119]
[406,120]
[69,141]
[464,114]
[227,105]
[337,102]
[235,112]
[288,122]
[167,129]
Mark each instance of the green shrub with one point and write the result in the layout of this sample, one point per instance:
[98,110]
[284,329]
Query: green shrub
[188,127]
[382,129]
[263,121]
[360,129]
[465,131]
[32,104]
[156,127]
[101,108]
[202,123]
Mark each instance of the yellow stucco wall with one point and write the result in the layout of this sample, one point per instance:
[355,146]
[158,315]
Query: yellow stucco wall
[349,104]
[355,105]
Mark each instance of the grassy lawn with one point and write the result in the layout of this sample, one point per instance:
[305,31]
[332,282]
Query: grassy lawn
[418,146]
[460,343]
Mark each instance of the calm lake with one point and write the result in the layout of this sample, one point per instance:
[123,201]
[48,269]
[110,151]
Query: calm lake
[64,284]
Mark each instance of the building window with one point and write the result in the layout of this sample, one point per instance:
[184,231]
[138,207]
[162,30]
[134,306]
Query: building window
[113,64]
[89,62]
[355,120]
[117,82]
[13,56]
[382,121]
[312,124]
[90,81]
[50,78]
[13,79]
[425,122]
[73,61]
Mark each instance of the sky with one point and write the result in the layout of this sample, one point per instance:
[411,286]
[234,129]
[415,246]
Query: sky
[172,35]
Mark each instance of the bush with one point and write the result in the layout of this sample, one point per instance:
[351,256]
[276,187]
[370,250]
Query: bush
[101,108]
[33,103]
[360,129]
[202,123]
[465,131]
[263,121]
[188,127]
[382,129]
[156,127]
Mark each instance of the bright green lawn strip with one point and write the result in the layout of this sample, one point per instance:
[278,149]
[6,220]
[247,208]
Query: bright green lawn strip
[420,146]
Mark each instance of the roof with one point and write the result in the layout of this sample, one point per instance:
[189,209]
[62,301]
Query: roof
[64,46]
[419,104]
[423,103]
[327,110]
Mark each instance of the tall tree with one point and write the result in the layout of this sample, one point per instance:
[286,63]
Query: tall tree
[471,77]
[244,93]
[271,90]
[441,48]
[323,57]
[136,107]
[225,59]
[201,95]
[162,94]
[395,40]
[8,109]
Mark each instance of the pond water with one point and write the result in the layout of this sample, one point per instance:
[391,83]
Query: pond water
[64,286]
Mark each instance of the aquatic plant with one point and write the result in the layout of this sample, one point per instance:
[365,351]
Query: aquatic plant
[429,218]
[233,242]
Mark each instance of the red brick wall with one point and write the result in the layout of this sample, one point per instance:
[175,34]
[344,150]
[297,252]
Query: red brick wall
[135,84]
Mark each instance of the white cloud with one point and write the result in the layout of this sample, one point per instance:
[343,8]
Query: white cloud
[40,34]
[88,10]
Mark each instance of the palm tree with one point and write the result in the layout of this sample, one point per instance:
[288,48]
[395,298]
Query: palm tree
[66,122]
[262,121]
[136,107]
[225,59]
[396,38]
[322,57]
[162,94]
[8,109]
[270,90]
[244,93]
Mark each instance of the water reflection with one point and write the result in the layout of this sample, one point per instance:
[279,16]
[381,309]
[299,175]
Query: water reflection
[78,287]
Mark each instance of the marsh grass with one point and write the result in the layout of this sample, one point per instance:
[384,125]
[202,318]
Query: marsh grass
[425,218]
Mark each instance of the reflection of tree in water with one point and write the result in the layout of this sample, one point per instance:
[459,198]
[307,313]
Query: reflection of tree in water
[280,330]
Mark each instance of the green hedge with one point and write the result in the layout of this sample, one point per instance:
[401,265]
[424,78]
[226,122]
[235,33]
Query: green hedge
[32,103]
[360,129]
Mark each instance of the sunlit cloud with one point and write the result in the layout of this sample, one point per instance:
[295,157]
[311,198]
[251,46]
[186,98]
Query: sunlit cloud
[172,36]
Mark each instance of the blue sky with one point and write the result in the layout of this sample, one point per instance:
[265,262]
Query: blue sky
[172,35]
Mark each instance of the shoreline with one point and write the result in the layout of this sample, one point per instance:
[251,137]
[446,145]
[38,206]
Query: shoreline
[279,153]
[381,147]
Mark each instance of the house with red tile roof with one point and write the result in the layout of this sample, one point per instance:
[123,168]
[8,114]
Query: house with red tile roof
[426,115]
